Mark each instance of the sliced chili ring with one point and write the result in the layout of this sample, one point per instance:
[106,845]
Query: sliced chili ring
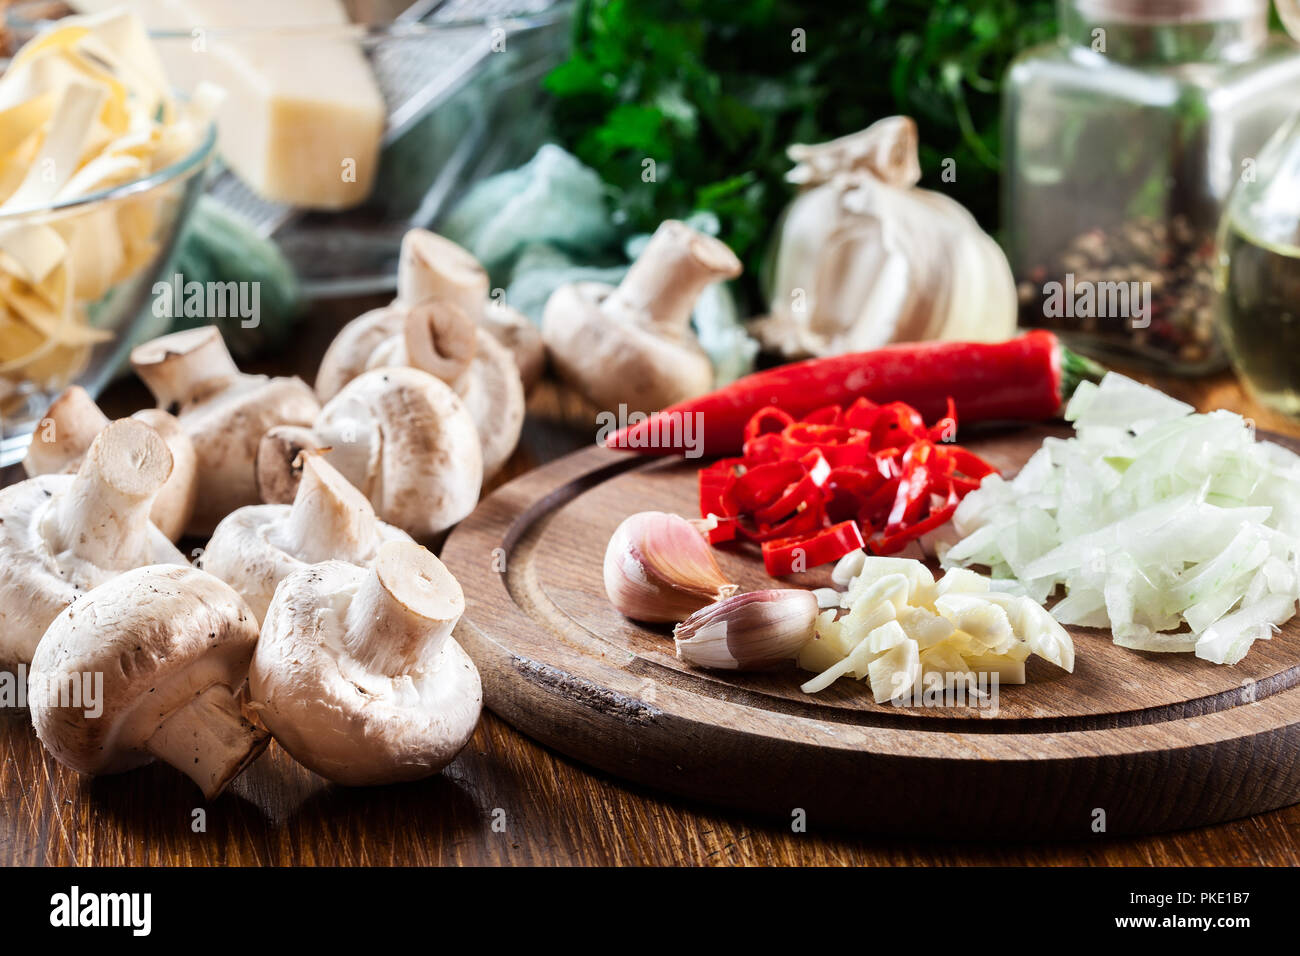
[892,544]
[846,489]
[765,449]
[861,415]
[761,485]
[842,447]
[786,555]
[826,415]
[803,492]
[767,421]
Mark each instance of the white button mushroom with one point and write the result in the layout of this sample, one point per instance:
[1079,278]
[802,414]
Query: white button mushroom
[173,647]
[632,345]
[224,411]
[438,338]
[356,673]
[61,535]
[399,435]
[431,266]
[438,324]
[258,546]
[71,424]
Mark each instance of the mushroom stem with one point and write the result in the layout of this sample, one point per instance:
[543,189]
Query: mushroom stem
[64,434]
[103,517]
[403,612]
[663,284]
[209,740]
[184,366]
[432,267]
[330,519]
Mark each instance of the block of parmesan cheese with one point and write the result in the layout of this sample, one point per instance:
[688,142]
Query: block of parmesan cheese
[303,116]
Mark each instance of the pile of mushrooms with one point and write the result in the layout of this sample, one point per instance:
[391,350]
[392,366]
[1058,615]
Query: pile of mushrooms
[313,616]
[258,546]
[224,412]
[357,674]
[443,323]
[92,586]
[400,436]
[63,535]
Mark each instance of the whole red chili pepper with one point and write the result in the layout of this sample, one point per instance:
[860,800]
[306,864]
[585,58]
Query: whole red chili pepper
[1027,379]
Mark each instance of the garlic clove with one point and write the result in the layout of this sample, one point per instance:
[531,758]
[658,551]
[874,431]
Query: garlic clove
[658,567]
[749,631]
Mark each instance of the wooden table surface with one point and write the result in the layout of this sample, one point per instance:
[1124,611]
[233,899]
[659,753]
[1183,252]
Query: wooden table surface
[505,799]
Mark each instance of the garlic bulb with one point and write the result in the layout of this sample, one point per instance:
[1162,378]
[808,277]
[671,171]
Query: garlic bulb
[658,567]
[865,258]
[1289,12]
[749,631]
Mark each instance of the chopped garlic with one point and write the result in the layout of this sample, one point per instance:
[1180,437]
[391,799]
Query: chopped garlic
[902,626]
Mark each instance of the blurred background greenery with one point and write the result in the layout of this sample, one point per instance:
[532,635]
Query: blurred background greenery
[713,91]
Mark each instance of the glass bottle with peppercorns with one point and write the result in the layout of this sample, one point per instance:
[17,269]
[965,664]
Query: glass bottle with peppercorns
[1122,143]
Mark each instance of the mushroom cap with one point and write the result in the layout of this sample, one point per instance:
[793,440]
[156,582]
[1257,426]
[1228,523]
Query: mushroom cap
[521,336]
[33,586]
[435,336]
[226,427]
[64,434]
[349,353]
[493,393]
[406,440]
[160,636]
[438,338]
[337,716]
[251,552]
[36,581]
[279,463]
[615,363]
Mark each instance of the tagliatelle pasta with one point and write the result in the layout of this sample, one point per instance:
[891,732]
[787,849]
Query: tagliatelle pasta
[83,107]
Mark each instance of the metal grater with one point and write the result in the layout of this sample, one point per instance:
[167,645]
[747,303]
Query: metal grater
[415,73]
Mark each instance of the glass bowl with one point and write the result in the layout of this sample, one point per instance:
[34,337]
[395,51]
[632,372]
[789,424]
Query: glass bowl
[151,211]
[462,87]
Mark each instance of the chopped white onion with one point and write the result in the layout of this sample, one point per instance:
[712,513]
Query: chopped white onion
[1178,531]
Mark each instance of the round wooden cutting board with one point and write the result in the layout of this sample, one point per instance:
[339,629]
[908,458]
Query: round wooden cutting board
[1130,742]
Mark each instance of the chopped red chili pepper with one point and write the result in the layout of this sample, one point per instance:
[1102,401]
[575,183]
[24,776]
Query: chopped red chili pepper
[724,531]
[767,421]
[788,555]
[761,485]
[802,492]
[827,415]
[812,490]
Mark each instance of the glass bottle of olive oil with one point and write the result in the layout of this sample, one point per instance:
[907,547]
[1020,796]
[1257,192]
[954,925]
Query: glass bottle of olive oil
[1258,275]
[1261,318]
